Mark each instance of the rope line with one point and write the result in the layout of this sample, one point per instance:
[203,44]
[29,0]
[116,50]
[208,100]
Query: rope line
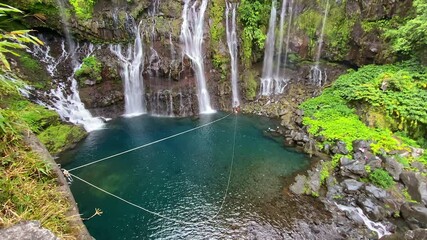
[146,145]
[164,216]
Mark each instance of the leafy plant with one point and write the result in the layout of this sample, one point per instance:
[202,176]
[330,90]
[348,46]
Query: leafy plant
[90,70]
[83,8]
[10,41]
[381,178]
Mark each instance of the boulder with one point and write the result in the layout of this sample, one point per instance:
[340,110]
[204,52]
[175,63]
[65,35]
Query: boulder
[299,186]
[416,184]
[340,148]
[371,207]
[361,146]
[354,169]
[393,167]
[416,152]
[376,192]
[29,230]
[351,185]
[415,215]
[334,190]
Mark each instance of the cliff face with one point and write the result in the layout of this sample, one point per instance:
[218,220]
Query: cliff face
[353,37]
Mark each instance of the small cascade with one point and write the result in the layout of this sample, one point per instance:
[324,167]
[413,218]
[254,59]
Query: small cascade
[192,39]
[317,77]
[65,98]
[267,69]
[132,62]
[162,104]
[379,228]
[232,47]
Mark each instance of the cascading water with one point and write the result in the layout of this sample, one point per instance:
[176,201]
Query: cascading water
[379,228]
[232,47]
[65,99]
[317,77]
[267,69]
[132,62]
[273,80]
[278,80]
[192,39]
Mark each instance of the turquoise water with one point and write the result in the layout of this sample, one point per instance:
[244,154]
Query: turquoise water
[184,178]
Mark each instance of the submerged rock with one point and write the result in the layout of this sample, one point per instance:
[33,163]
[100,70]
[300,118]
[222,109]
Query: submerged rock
[299,186]
[30,230]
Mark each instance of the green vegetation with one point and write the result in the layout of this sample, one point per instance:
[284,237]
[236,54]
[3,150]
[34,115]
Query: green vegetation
[90,70]
[250,84]
[220,58]
[381,178]
[338,31]
[411,36]
[252,18]
[29,187]
[83,8]
[399,91]
[328,167]
[309,21]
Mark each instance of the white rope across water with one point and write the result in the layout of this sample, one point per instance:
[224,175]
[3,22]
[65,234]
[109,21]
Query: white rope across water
[148,144]
[164,216]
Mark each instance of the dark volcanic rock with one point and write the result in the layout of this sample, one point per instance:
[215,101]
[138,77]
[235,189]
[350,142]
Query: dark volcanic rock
[351,185]
[393,167]
[340,148]
[416,184]
[371,207]
[30,230]
[415,215]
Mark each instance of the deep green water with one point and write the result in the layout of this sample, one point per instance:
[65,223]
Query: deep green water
[184,178]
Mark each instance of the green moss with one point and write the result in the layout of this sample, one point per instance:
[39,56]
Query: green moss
[60,137]
[250,84]
[309,22]
[38,118]
[381,178]
[83,8]
[90,70]
[338,31]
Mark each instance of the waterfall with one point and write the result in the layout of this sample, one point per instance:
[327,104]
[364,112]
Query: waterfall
[278,80]
[379,228]
[192,39]
[267,69]
[132,63]
[65,99]
[316,76]
[232,48]
[273,81]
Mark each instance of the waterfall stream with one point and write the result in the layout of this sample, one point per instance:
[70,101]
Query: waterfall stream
[267,69]
[273,80]
[317,77]
[192,39]
[65,99]
[379,228]
[132,63]
[232,47]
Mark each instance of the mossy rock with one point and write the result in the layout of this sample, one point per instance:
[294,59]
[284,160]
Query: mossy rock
[61,137]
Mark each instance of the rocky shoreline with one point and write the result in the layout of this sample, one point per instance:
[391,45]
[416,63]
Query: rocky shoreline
[401,209]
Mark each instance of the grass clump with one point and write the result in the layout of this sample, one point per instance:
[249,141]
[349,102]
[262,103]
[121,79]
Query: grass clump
[381,178]
[29,190]
[83,8]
